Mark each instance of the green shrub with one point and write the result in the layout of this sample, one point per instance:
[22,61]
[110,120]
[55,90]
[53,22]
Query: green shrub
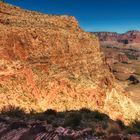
[136,124]
[134,128]
[73,119]
[61,114]
[41,117]
[86,114]
[50,119]
[50,112]
[99,116]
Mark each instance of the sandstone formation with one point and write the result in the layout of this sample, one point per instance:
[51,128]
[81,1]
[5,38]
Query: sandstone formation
[48,61]
[44,58]
[107,36]
[130,37]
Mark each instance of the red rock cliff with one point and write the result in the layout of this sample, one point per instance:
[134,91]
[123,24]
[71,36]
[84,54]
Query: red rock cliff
[49,62]
[130,37]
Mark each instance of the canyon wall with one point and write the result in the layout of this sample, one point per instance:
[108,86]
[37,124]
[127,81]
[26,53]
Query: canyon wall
[130,37]
[48,61]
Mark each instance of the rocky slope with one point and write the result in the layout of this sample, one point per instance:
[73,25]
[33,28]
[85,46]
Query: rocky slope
[49,62]
[125,63]
[14,129]
[25,129]
[130,37]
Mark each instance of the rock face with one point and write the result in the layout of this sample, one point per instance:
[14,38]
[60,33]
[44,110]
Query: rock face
[49,62]
[130,37]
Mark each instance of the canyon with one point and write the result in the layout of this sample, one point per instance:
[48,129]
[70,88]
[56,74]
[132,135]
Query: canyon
[130,37]
[122,53]
[49,62]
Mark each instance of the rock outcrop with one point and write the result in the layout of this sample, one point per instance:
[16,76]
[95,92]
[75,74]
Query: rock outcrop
[49,59]
[15,129]
[50,62]
[107,36]
[34,129]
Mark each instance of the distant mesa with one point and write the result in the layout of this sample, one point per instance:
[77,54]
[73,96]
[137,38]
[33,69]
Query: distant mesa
[130,37]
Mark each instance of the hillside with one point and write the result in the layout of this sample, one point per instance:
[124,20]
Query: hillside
[48,61]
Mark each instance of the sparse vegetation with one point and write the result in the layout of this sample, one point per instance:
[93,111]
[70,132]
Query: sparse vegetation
[85,110]
[125,41]
[73,119]
[134,128]
[50,112]
[100,116]
[100,123]
[133,79]
[13,111]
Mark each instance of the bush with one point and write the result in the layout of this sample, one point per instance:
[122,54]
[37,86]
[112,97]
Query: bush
[50,112]
[61,115]
[133,79]
[50,119]
[86,114]
[136,124]
[125,41]
[85,110]
[73,119]
[100,116]
[49,116]
[41,117]
[134,128]
[13,111]
[121,124]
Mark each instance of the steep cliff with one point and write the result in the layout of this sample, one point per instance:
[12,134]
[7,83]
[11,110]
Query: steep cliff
[50,62]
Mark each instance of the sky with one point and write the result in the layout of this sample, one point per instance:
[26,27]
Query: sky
[92,15]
